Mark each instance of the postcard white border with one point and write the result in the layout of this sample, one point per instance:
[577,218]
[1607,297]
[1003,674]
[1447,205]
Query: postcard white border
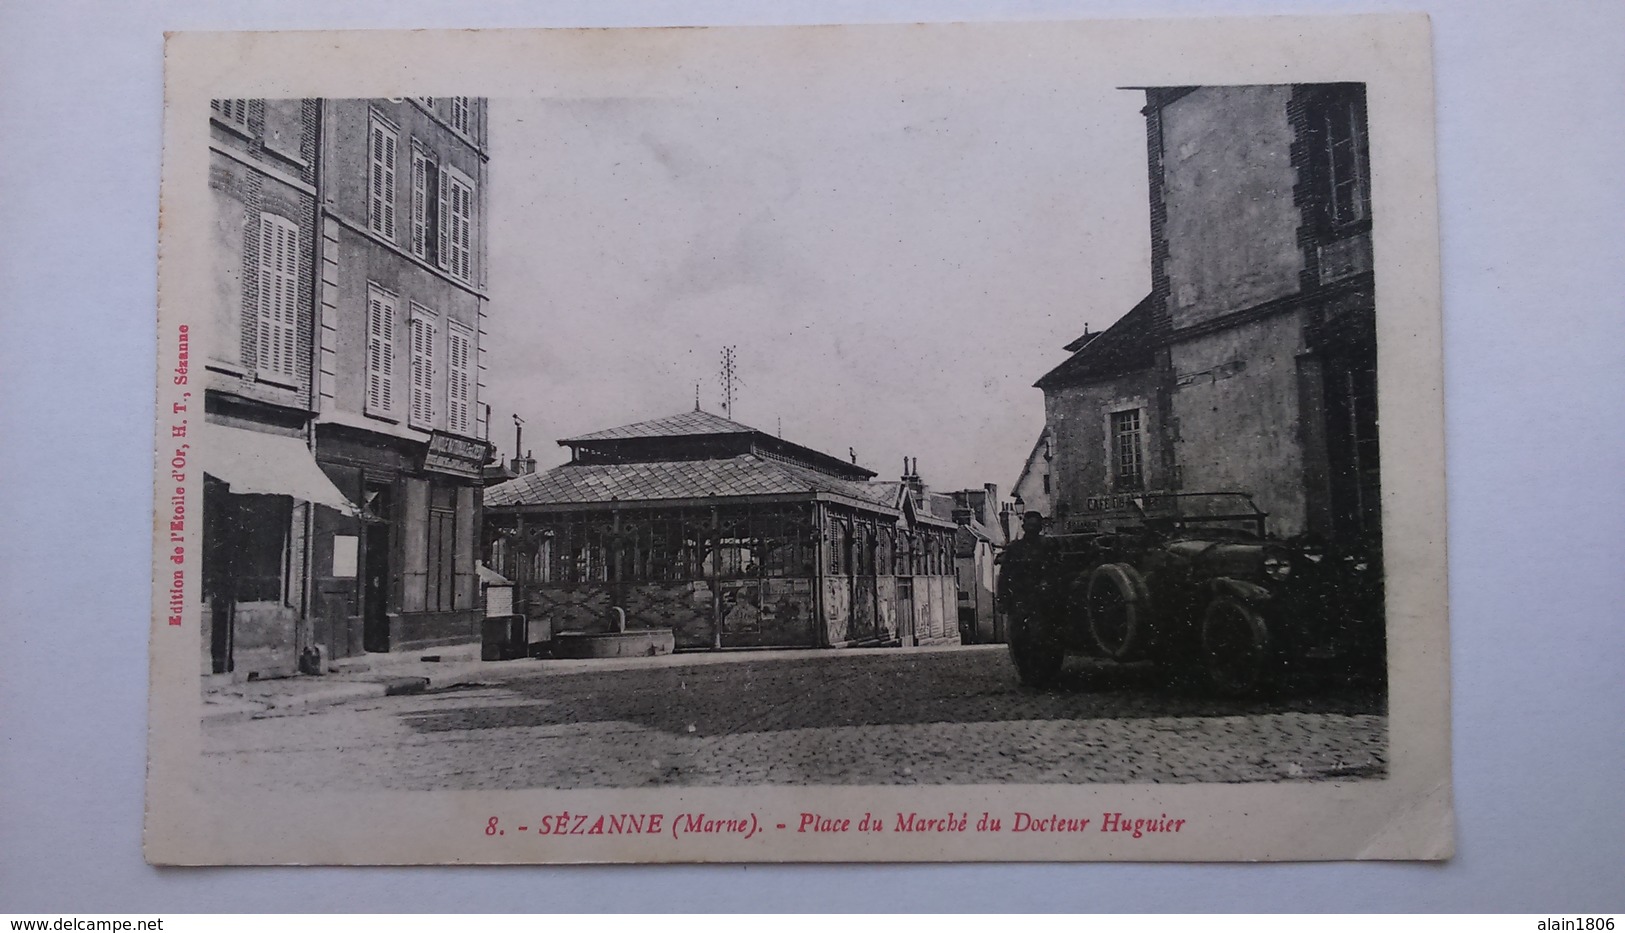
[1408,815]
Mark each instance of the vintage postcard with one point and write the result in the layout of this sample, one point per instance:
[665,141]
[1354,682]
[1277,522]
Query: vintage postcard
[903,442]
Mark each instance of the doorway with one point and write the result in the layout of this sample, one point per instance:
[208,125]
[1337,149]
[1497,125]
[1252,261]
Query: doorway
[905,611]
[375,588]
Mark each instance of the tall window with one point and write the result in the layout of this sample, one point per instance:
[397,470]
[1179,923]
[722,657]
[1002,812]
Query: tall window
[1337,122]
[233,111]
[423,178]
[423,328]
[1127,461]
[461,214]
[459,380]
[380,351]
[381,180]
[461,114]
[278,305]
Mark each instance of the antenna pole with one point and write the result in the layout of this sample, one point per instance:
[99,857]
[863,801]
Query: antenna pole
[728,376]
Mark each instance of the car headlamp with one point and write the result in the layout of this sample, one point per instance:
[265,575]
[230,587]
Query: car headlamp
[1277,567]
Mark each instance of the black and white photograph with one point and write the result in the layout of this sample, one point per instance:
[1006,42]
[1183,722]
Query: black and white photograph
[817,413]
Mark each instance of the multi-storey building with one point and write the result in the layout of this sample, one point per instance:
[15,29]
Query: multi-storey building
[400,428]
[260,482]
[1251,365]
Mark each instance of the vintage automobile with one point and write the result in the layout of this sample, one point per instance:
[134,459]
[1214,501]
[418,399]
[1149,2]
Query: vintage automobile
[1194,584]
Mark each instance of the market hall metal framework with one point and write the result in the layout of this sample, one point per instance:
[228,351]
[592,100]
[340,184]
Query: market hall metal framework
[731,536]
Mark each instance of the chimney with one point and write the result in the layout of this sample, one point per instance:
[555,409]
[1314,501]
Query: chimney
[911,479]
[523,466]
[990,505]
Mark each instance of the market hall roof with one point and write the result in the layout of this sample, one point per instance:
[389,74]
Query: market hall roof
[700,435]
[688,424]
[691,481]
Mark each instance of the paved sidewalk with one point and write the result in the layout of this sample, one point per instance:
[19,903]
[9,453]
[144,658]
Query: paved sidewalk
[408,672]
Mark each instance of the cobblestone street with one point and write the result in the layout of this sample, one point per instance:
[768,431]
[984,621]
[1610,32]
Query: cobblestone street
[953,716]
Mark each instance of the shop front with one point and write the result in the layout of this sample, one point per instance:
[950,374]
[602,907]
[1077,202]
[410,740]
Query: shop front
[401,575]
[260,488]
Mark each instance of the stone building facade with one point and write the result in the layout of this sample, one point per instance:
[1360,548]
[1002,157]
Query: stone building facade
[400,425]
[1251,365]
[261,486]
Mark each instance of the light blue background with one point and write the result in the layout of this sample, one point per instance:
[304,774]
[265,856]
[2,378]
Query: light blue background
[1531,158]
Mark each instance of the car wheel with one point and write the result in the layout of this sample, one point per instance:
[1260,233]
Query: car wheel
[1237,650]
[1035,649]
[1117,606]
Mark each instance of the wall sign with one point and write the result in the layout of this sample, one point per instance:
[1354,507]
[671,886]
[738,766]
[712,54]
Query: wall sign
[458,456]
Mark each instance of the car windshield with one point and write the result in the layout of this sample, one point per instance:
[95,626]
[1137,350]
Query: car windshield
[1196,506]
[1205,510]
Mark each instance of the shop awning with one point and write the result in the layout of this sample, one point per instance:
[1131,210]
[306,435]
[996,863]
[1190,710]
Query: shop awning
[253,463]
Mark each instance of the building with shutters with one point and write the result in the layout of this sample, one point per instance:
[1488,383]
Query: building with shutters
[730,536]
[1251,365]
[345,435]
[399,427]
[253,364]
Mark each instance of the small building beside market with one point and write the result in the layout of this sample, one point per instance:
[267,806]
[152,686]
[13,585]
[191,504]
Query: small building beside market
[983,523]
[730,536]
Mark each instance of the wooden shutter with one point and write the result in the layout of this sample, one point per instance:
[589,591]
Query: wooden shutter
[380,351]
[420,202]
[381,200]
[422,409]
[443,207]
[234,110]
[389,185]
[463,231]
[375,183]
[414,528]
[459,380]
[466,570]
[462,207]
[276,329]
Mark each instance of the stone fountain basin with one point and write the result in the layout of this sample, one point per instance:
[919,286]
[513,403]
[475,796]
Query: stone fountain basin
[632,643]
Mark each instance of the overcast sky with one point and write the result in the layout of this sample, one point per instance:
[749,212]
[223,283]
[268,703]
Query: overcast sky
[896,260]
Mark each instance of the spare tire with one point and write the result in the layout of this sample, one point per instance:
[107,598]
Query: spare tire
[1119,608]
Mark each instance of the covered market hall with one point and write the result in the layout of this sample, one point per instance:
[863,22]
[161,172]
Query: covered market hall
[730,536]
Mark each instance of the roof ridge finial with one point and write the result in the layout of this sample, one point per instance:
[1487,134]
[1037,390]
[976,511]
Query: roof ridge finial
[696,396]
